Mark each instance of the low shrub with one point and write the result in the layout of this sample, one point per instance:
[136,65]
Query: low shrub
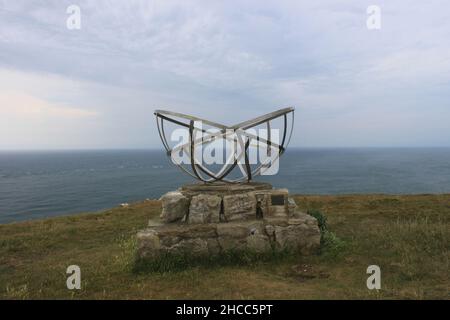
[321,219]
[330,244]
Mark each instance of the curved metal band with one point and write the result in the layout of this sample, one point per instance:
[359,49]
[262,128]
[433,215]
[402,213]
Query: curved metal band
[191,138]
[238,129]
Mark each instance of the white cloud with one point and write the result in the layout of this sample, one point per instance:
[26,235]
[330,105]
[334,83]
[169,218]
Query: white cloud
[232,61]
[29,119]
[26,107]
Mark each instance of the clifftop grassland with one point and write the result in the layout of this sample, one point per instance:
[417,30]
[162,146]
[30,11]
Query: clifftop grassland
[407,236]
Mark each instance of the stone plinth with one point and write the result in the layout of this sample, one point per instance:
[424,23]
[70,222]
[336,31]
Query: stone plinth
[300,235]
[207,219]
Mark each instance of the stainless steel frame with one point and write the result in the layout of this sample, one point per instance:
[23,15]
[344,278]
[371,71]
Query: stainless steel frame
[241,137]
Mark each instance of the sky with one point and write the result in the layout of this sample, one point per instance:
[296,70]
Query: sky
[96,87]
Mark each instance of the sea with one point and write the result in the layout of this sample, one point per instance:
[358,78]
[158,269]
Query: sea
[40,184]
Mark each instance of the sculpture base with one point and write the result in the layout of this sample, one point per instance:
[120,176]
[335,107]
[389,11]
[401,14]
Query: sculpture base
[224,188]
[212,218]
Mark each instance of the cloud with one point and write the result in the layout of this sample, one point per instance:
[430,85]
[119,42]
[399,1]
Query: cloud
[36,111]
[232,62]
[26,107]
[36,94]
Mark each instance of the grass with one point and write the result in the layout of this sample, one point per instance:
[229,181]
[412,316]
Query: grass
[407,236]
[170,263]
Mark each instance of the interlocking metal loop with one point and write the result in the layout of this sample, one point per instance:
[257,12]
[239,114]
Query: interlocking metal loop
[238,134]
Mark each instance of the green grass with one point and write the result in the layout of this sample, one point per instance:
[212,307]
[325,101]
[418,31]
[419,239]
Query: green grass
[407,236]
[170,263]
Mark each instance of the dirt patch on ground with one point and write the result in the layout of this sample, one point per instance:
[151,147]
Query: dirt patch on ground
[304,272]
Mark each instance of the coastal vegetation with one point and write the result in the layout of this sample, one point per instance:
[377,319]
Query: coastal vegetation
[406,236]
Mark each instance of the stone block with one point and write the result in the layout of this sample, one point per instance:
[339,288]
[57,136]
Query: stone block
[213,246]
[148,243]
[195,247]
[205,208]
[188,231]
[232,230]
[258,240]
[258,243]
[242,235]
[299,237]
[292,206]
[174,206]
[239,206]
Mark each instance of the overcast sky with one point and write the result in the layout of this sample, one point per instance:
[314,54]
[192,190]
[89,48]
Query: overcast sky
[228,61]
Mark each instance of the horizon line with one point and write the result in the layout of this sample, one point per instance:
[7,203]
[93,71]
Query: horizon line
[162,149]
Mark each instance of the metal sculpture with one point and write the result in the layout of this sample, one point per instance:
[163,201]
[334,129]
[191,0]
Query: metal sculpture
[240,134]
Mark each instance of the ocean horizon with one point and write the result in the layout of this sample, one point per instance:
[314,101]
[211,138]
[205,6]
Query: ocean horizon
[39,184]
